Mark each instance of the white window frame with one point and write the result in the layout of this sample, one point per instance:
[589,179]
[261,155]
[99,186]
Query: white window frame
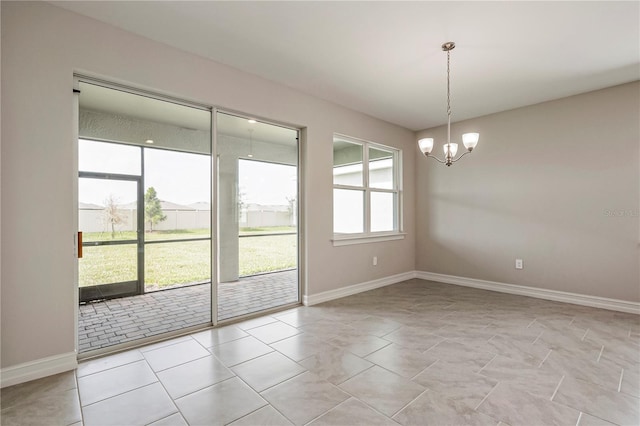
[341,239]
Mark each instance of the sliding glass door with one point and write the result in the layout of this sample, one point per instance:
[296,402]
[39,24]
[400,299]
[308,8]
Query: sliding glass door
[258,216]
[144,210]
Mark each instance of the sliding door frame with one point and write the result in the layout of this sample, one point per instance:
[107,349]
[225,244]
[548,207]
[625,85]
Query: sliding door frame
[214,218]
[300,221]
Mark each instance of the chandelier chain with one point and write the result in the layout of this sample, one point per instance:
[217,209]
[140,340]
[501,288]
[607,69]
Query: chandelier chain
[448,84]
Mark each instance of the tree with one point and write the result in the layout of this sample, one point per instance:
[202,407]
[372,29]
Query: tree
[152,208]
[291,208]
[242,205]
[112,214]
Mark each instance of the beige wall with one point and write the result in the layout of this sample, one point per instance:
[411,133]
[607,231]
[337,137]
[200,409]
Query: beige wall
[41,48]
[556,184]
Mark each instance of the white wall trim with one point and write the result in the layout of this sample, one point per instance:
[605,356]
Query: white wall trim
[325,296]
[540,293]
[37,369]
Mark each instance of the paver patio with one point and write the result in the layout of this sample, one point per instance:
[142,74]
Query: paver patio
[111,322]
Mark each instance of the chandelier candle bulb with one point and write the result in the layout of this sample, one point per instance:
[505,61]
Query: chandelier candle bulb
[426,145]
[450,149]
[469,140]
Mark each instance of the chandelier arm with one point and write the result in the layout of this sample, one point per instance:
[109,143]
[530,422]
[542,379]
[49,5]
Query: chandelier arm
[462,155]
[436,158]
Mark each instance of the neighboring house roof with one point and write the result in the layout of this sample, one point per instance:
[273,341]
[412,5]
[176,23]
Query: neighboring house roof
[89,206]
[168,205]
[267,208]
[129,206]
[200,205]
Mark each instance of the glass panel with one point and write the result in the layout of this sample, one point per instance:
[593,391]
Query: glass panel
[174,264]
[107,209]
[267,197]
[257,201]
[347,162]
[267,253]
[381,169]
[383,215]
[348,211]
[106,157]
[108,264]
[177,194]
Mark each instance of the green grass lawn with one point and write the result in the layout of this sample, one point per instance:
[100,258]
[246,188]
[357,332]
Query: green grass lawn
[175,263]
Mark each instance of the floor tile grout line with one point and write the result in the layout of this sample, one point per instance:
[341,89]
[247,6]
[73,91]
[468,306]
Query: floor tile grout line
[557,388]
[539,335]
[119,394]
[620,382]
[362,401]
[373,364]
[173,400]
[267,404]
[199,389]
[600,354]
[545,358]
[486,396]
[425,369]
[109,368]
[494,357]
[75,375]
[326,412]
[279,383]
[585,334]
[410,402]
[183,363]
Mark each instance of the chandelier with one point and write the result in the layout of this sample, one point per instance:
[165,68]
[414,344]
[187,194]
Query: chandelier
[470,140]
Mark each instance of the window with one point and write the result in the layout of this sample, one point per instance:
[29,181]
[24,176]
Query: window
[366,191]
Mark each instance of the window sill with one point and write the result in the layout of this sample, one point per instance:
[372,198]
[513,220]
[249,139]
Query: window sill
[365,239]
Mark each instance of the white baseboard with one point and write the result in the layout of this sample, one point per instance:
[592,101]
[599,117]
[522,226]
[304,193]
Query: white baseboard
[326,296]
[540,293]
[37,369]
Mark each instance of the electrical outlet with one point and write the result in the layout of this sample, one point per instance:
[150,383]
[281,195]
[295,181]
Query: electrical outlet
[375,260]
[519,264]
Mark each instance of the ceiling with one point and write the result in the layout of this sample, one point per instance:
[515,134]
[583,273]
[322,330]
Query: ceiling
[384,58]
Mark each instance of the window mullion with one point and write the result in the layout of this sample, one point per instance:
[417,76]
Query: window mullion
[389,191]
[367,190]
[340,186]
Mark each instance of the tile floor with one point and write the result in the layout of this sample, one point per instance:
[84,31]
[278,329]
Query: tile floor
[414,353]
[115,321]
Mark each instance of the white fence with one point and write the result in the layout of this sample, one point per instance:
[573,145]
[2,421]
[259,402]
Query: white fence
[94,220]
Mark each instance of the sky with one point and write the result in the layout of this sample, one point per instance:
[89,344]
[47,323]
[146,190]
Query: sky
[266,183]
[176,176]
